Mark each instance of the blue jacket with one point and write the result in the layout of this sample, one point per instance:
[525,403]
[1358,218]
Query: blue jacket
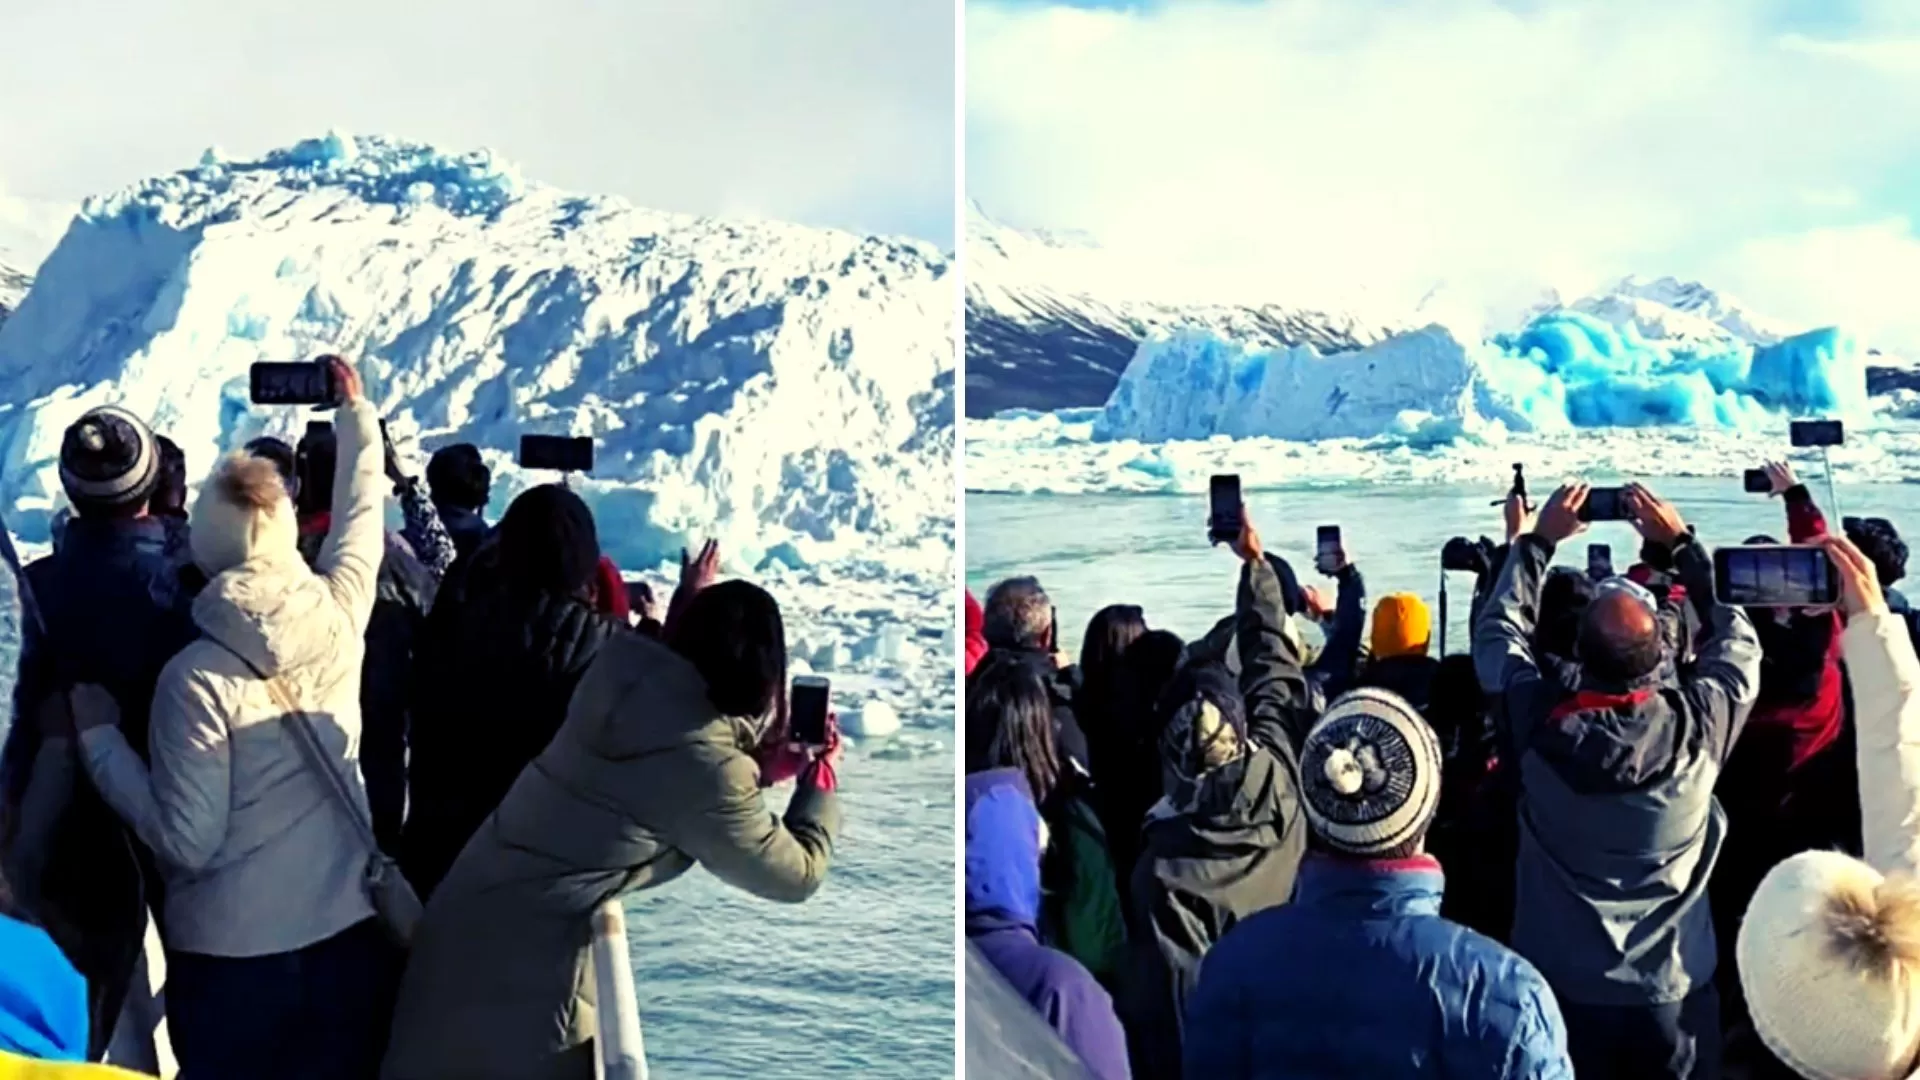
[1003,911]
[43,1000]
[1360,976]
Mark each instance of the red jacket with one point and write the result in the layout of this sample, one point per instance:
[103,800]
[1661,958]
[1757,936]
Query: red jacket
[1808,727]
[976,633]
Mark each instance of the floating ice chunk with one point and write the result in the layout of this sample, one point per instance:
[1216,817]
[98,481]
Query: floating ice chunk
[873,719]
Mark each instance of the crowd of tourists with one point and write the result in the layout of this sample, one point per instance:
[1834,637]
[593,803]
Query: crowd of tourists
[292,796]
[1632,833]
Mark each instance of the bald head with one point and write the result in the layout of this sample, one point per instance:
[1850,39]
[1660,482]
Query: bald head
[1619,637]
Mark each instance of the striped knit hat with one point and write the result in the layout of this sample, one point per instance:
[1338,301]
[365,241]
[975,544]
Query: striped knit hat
[109,459]
[1370,773]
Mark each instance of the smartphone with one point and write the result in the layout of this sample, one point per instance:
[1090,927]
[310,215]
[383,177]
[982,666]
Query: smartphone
[1223,514]
[1816,433]
[556,452]
[1775,575]
[1757,482]
[1599,561]
[807,719]
[1327,543]
[1605,504]
[303,383]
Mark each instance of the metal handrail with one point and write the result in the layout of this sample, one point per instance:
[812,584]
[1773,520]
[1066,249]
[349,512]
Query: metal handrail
[619,1052]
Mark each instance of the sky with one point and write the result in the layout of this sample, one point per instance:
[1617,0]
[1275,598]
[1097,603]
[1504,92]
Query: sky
[1328,149]
[838,114]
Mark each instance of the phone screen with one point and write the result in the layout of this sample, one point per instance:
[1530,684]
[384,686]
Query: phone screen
[1328,543]
[304,383]
[1223,515]
[1600,560]
[1774,576]
[1757,482]
[1816,433]
[807,719]
[556,452]
[1605,504]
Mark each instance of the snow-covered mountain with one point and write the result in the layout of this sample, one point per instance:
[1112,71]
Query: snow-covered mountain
[789,388]
[13,287]
[1051,323]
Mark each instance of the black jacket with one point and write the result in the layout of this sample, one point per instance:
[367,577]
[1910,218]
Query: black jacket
[493,674]
[116,612]
[1218,854]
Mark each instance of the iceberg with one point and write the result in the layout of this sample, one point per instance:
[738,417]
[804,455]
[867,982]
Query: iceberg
[1565,370]
[788,389]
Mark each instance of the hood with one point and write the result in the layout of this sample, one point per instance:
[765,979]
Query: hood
[43,1000]
[1003,849]
[640,697]
[276,613]
[1249,797]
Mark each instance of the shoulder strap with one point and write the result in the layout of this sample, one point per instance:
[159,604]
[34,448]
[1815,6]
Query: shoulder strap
[311,751]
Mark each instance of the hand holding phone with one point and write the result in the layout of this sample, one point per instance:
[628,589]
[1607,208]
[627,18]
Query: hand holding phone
[807,716]
[1330,556]
[1605,504]
[1775,575]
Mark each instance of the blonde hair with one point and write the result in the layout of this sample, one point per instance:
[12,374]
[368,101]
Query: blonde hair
[249,482]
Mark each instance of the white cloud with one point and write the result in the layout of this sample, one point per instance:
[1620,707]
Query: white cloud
[835,113]
[1893,55]
[1864,277]
[1317,147]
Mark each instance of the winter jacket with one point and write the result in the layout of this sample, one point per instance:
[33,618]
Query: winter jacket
[43,1011]
[257,857]
[1360,976]
[643,780]
[1081,914]
[1619,829]
[467,528]
[1410,676]
[1002,911]
[1005,1036]
[1885,676]
[493,675]
[116,612]
[1236,851]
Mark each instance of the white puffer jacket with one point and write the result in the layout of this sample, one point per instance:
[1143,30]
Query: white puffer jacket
[1885,675]
[258,857]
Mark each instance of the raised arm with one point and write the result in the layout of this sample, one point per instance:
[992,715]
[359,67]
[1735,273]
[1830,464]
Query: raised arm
[356,542]
[1885,676]
[727,827]
[1342,654]
[1503,630]
[1279,709]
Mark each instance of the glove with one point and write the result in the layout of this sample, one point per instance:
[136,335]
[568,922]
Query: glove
[782,760]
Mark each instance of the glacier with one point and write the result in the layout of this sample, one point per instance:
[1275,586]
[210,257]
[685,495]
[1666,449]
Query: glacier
[1565,369]
[787,389]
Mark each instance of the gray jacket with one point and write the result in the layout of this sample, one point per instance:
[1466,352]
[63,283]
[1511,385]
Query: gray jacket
[1619,829]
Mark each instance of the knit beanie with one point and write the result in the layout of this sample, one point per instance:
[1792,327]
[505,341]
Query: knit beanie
[108,459]
[1401,626]
[1829,958]
[1370,773]
[242,512]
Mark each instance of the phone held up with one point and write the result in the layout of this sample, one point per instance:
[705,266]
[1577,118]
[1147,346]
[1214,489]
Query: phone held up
[1327,545]
[556,452]
[1599,561]
[1775,575]
[1811,433]
[807,719]
[1605,504]
[1757,482]
[1223,514]
[306,382]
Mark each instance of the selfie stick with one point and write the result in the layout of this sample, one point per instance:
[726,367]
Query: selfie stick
[1443,611]
[619,1052]
[1833,499]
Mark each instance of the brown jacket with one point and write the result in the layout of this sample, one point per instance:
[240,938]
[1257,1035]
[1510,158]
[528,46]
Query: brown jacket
[643,780]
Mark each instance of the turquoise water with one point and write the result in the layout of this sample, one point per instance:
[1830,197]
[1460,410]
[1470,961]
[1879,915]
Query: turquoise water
[1151,549]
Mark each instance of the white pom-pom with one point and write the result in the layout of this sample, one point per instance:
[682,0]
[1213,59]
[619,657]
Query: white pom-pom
[1344,772]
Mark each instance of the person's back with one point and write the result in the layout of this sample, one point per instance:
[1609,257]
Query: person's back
[1360,976]
[461,485]
[1002,915]
[115,612]
[503,650]
[1619,830]
[654,770]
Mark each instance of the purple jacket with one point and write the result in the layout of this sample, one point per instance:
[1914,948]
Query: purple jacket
[1003,909]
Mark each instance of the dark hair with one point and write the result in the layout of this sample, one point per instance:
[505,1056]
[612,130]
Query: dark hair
[547,543]
[1102,669]
[1018,615]
[1880,542]
[733,635]
[458,476]
[313,467]
[1564,597]
[283,458]
[170,494]
[1010,722]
